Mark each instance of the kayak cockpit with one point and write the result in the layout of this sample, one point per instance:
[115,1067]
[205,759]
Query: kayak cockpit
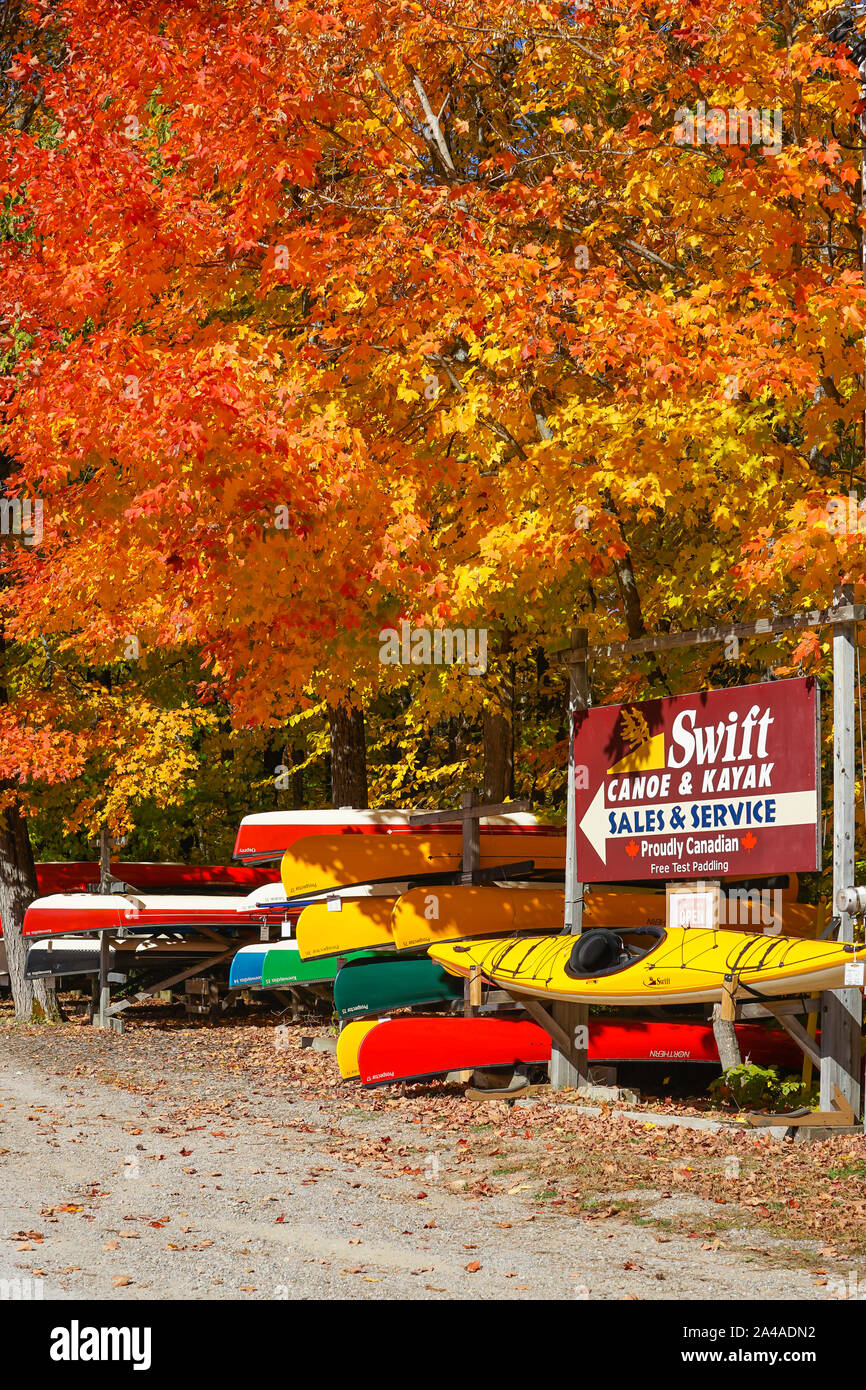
[603,951]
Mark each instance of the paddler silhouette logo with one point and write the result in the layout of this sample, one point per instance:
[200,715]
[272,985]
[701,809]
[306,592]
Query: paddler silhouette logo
[646,752]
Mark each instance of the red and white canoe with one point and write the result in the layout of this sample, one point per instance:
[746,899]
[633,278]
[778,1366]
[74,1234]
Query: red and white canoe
[61,914]
[268,834]
[79,876]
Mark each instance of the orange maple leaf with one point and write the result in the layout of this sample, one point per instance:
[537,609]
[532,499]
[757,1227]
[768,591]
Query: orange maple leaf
[748,842]
[631,848]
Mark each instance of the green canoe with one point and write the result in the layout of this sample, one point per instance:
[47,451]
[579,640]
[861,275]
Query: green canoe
[284,967]
[378,985]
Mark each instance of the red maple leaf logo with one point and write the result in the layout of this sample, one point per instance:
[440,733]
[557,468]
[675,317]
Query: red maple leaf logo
[748,842]
[631,849]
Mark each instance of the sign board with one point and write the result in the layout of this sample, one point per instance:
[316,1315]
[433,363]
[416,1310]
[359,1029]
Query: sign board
[722,782]
[693,905]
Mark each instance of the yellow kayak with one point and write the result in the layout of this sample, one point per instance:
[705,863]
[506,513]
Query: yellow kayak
[348,1043]
[318,863]
[361,924]
[641,965]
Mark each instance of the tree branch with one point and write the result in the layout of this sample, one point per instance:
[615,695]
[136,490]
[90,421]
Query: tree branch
[432,121]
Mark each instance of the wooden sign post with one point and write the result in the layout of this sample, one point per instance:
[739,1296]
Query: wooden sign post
[842,1009]
[102,1017]
[470,814]
[570,1069]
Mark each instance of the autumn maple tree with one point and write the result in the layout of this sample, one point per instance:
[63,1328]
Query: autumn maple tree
[323,316]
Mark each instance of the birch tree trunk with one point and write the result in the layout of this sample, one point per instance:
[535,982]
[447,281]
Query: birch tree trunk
[727,1043]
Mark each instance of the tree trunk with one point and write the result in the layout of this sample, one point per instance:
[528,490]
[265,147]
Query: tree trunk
[18,887]
[34,1000]
[348,756]
[634,613]
[498,727]
[499,746]
[299,754]
[727,1043]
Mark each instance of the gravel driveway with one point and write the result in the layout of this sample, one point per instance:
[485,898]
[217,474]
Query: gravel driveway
[156,1165]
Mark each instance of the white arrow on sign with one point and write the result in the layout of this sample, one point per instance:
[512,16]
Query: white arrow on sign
[594,824]
[791,808]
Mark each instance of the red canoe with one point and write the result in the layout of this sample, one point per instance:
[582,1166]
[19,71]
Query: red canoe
[78,876]
[639,1040]
[404,1049]
[414,1049]
[268,834]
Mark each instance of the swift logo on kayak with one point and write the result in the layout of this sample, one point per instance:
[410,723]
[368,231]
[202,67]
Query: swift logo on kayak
[77,1343]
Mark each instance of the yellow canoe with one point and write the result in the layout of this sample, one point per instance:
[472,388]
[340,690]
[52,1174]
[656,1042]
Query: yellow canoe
[320,862]
[349,1042]
[361,924]
[452,912]
[650,965]
[437,915]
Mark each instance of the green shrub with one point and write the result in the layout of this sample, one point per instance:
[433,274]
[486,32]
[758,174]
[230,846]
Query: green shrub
[760,1088]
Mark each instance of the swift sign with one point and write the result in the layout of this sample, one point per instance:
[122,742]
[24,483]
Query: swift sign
[723,782]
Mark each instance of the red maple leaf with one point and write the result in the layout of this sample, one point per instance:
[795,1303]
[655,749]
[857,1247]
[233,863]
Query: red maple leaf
[748,842]
[631,848]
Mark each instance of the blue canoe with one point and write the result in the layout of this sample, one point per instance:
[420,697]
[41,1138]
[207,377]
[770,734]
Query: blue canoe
[246,971]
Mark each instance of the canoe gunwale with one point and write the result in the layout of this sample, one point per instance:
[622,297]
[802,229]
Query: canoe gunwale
[392,1008]
[439,1075]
